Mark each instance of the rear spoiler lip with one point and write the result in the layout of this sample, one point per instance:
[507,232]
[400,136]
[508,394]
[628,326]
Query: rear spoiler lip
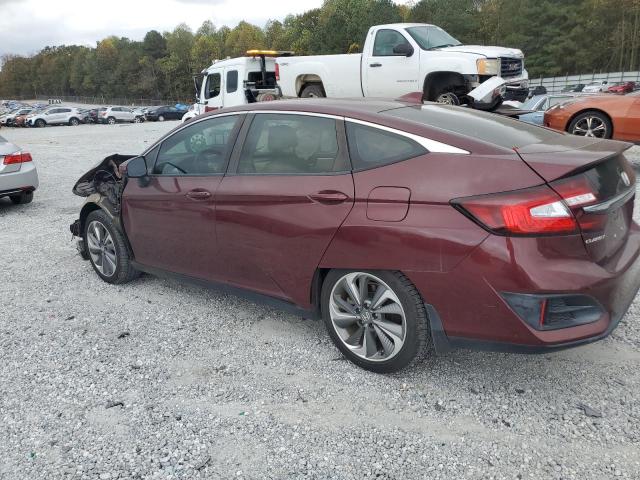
[623,147]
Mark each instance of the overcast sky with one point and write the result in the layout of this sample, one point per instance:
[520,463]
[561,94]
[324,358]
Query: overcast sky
[26,26]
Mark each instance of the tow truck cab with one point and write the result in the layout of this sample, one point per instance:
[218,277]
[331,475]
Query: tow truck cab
[238,81]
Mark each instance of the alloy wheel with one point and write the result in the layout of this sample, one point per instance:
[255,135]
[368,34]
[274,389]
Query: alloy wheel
[367,316]
[101,249]
[590,126]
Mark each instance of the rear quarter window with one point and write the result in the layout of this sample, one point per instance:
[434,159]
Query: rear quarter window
[371,147]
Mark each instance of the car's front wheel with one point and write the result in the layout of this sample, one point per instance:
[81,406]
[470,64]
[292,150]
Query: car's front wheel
[74,122]
[107,249]
[160,118]
[40,123]
[376,318]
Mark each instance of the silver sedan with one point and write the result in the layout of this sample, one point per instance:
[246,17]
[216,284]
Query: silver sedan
[18,174]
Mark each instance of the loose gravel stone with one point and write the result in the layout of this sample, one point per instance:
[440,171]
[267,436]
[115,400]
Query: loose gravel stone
[195,359]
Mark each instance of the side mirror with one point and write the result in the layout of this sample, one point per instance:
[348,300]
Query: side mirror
[403,49]
[137,167]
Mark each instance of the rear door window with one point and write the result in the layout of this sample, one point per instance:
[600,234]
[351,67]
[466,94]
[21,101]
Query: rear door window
[371,147]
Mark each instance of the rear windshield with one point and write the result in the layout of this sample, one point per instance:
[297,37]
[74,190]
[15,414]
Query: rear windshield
[487,127]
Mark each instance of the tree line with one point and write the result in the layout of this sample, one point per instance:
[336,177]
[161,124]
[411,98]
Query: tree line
[558,37]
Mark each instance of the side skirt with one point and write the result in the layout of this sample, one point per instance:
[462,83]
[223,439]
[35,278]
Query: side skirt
[230,289]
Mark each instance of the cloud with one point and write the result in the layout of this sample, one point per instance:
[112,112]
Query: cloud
[26,26]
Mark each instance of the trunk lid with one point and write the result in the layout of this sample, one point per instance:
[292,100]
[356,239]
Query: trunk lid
[598,184]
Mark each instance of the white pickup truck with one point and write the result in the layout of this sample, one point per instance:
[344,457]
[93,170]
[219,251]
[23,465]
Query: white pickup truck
[403,58]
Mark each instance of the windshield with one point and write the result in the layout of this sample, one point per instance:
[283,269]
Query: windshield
[430,36]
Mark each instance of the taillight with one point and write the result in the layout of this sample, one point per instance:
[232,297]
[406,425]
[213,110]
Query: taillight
[577,192]
[18,157]
[531,211]
[277,72]
[543,210]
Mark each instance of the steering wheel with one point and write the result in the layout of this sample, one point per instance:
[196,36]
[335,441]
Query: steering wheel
[201,155]
[174,166]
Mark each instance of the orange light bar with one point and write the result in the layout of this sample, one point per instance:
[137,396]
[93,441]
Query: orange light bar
[268,53]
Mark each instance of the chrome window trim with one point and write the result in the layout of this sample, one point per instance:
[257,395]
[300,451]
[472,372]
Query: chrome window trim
[432,146]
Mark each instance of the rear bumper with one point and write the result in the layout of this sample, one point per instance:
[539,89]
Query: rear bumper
[466,308]
[25,179]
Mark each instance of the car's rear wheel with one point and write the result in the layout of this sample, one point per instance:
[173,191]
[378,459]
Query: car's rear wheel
[107,249]
[74,122]
[377,319]
[40,123]
[22,198]
[111,120]
[591,124]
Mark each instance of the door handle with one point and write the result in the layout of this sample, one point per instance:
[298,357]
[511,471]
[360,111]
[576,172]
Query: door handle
[329,197]
[375,64]
[198,194]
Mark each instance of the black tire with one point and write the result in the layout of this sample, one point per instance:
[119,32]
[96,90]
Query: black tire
[417,342]
[161,118]
[138,120]
[582,119]
[22,198]
[313,90]
[111,121]
[74,122]
[40,123]
[124,272]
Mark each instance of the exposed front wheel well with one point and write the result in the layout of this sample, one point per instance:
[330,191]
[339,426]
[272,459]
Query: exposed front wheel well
[437,83]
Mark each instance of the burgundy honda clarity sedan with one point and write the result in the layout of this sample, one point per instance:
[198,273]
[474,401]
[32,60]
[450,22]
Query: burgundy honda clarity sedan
[409,229]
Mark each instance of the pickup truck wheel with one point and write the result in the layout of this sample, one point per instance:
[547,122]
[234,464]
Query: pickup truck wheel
[21,199]
[448,98]
[40,123]
[312,91]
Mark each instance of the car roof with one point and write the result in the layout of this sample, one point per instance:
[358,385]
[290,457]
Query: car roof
[348,107]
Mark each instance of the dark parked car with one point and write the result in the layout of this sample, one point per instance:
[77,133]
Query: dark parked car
[161,114]
[576,87]
[407,228]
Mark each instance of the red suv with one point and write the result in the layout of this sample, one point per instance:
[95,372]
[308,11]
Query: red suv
[407,228]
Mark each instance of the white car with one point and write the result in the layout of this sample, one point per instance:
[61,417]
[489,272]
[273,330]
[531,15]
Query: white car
[55,116]
[596,87]
[404,58]
[18,174]
[112,115]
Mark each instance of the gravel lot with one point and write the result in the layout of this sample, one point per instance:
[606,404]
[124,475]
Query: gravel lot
[159,380]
